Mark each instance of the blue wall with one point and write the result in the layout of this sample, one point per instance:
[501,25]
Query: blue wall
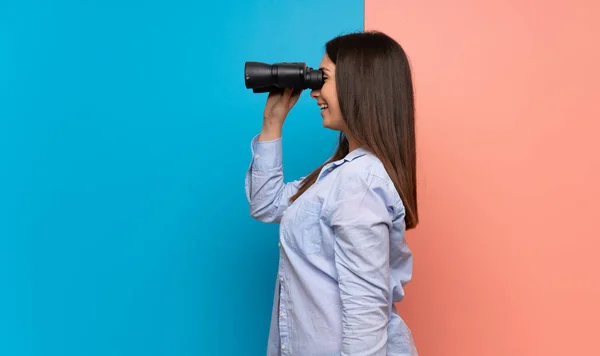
[124,139]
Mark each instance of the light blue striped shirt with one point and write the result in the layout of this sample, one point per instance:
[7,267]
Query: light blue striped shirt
[343,257]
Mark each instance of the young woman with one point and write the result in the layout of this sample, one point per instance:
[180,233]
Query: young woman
[343,257]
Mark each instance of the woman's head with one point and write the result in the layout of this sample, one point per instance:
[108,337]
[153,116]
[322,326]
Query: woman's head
[368,97]
[327,97]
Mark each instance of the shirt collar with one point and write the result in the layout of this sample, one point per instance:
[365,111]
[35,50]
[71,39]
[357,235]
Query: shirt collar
[355,154]
[348,158]
[352,155]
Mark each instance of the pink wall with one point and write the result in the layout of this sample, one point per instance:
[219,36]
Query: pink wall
[508,96]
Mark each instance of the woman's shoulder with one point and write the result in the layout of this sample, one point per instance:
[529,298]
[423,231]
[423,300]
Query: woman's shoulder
[368,172]
[368,164]
[365,166]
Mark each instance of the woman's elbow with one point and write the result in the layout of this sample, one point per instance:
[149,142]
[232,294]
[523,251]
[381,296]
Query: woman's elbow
[262,213]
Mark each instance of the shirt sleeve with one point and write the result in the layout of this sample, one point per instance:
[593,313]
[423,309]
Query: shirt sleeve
[266,190]
[361,222]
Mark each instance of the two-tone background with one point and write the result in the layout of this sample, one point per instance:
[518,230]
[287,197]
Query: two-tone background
[124,139]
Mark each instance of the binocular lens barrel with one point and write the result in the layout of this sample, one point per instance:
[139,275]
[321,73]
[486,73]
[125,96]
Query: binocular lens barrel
[264,77]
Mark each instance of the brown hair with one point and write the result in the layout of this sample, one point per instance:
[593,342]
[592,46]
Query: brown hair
[375,94]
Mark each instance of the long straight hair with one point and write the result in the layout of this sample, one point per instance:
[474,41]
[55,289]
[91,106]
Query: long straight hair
[375,94]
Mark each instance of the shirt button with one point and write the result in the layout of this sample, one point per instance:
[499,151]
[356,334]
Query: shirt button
[282,314]
[283,347]
[257,156]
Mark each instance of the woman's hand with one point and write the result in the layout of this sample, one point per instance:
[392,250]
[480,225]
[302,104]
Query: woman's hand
[276,110]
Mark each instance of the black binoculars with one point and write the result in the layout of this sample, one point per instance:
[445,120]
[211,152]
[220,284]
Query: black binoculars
[265,78]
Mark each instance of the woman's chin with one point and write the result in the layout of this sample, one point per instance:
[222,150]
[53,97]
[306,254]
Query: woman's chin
[327,121]
[324,121]
[324,116]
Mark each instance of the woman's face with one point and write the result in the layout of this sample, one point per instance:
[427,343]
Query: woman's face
[327,99]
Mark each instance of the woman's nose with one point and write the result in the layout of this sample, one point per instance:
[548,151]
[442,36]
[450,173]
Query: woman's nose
[315,93]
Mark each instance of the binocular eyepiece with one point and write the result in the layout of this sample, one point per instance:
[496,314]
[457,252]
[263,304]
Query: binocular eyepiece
[265,78]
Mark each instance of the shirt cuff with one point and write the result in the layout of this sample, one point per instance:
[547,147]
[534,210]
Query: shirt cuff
[266,154]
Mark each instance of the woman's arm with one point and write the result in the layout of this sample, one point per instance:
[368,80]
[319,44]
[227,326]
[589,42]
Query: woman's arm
[362,222]
[266,191]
